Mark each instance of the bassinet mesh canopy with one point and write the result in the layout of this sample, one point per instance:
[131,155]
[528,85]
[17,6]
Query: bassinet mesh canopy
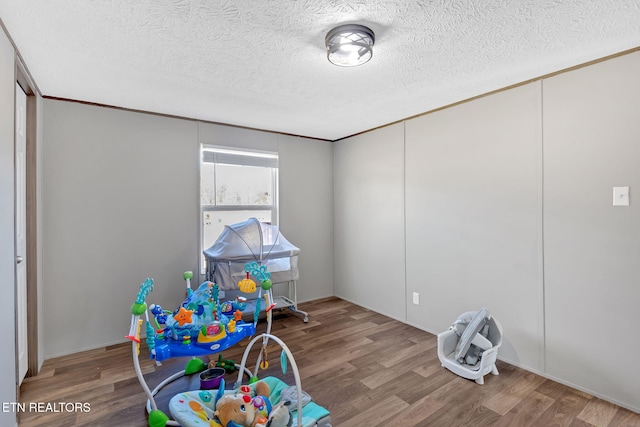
[250,241]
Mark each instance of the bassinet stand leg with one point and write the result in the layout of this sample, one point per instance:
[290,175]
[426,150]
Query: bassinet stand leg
[286,301]
[295,310]
[294,306]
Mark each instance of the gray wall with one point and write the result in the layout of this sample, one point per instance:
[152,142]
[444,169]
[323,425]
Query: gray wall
[473,220]
[369,220]
[306,210]
[116,210]
[120,197]
[591,248]
[7,207]
[508,205]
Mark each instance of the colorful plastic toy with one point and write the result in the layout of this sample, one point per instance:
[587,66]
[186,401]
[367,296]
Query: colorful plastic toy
[200,326]
[197,327]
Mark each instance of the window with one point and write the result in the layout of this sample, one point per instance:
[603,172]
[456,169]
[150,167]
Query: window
[235,185]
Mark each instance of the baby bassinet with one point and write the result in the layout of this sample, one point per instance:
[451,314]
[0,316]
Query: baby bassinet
[250,241]
[254,241]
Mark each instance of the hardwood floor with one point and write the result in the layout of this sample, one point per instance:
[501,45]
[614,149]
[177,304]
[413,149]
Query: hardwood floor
[367,369]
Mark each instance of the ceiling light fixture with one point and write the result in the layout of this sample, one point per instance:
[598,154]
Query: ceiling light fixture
[349,45]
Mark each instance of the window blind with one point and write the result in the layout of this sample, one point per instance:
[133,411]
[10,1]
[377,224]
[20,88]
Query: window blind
[239,159]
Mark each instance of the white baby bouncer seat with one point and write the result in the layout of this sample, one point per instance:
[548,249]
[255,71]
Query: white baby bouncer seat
[469,347]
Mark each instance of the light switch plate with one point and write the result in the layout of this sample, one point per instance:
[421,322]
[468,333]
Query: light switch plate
[620,196]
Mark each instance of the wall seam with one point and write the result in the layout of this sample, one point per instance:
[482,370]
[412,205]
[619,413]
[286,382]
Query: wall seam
[333,218]
[541,234]
[199,220]
[404,217]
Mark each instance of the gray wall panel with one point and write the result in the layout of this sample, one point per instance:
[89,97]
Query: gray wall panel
[369,220]
[592,249]
[473,217]
[306,210]
[120,204]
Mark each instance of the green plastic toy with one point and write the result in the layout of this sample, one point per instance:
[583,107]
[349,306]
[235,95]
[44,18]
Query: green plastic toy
[157,418]
[194,366]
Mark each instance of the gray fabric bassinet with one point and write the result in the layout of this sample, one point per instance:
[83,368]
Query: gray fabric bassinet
[246,242]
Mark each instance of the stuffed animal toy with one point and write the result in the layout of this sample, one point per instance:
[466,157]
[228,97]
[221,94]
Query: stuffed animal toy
[241,410]
[235,410]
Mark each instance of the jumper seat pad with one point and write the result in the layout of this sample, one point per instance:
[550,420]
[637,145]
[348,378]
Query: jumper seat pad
[470,333]
[196,408]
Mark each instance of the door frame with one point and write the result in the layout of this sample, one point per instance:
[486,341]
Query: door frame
[26,83]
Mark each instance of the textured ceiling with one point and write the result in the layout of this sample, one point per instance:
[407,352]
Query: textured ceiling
[262,64]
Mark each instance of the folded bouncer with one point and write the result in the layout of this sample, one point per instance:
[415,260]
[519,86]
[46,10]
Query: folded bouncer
[469,347]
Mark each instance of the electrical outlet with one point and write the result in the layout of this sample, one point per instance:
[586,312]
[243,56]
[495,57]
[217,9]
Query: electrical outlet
[416,298]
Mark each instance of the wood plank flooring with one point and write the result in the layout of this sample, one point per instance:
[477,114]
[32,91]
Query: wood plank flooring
[367,369]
